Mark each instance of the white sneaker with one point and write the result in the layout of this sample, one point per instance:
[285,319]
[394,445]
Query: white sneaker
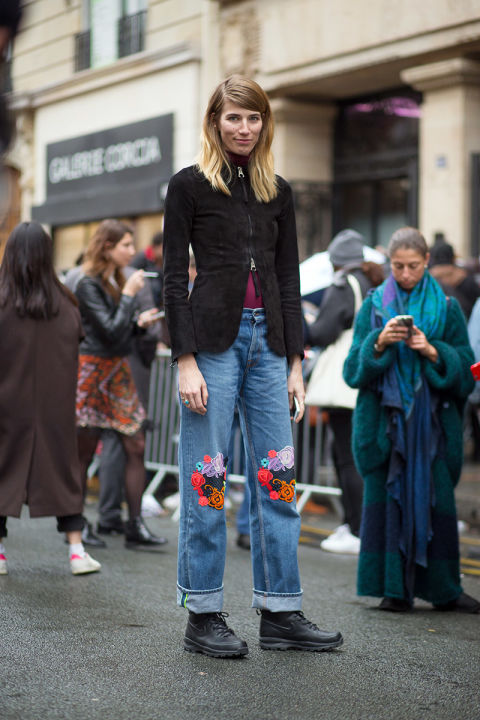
[172,502]
[83,565]
[3,565]
[341,541]
[150,507]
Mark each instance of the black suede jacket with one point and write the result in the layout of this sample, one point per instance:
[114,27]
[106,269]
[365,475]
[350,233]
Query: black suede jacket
[230,236]
[109,326]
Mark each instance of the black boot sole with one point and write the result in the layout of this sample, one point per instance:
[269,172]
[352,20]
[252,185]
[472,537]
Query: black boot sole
[279,644]
[193,647]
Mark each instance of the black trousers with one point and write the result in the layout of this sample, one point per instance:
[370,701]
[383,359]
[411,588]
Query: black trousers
[351,484]
[65,523]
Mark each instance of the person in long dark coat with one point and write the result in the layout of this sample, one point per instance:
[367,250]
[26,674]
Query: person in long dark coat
[40,329]
[407,433]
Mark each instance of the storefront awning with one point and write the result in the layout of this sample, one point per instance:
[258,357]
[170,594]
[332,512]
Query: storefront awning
[121,201]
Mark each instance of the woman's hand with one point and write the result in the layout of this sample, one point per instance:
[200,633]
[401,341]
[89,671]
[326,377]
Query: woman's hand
[391,333]
[148,317]
[191,384]
[418,341]
[296,388]
[134,283]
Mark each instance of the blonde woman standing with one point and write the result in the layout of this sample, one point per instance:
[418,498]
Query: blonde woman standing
[237,339]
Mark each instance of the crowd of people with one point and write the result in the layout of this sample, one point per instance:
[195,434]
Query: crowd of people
[237,336]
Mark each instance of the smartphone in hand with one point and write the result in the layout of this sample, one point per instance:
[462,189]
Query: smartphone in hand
[406,321]
[297,408]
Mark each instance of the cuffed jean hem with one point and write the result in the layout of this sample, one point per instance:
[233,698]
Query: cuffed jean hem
[200,601]
[277,602]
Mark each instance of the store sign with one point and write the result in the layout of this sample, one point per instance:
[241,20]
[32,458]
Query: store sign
[114,157]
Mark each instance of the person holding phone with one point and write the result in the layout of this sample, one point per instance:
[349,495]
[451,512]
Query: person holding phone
[106,395]
[407,435]
[237,339]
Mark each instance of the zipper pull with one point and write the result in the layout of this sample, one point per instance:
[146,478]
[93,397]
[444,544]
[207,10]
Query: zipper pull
[253,270]
[240,172]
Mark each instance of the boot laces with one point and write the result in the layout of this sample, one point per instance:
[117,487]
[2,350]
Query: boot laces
[217,622]
[305,621]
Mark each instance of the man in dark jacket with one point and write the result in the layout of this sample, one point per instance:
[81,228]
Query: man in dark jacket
[454,280]
[336,314]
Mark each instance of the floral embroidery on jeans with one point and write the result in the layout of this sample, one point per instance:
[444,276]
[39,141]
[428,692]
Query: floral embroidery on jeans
[280,462]
[212,492]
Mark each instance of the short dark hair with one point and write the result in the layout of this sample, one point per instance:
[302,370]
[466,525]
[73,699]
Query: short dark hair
[442,254]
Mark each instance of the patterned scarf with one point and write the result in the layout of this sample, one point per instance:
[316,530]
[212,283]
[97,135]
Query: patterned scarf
[428,305]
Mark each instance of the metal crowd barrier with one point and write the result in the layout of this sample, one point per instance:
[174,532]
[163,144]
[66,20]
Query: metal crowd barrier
[315,473]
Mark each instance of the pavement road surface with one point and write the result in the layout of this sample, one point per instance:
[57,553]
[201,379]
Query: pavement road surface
[109,646]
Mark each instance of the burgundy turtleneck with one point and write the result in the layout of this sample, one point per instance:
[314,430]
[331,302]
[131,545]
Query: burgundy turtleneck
[251,300]
[241,160]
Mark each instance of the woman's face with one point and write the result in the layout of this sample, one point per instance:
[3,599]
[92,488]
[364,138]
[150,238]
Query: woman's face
[239,128]
[408,267]
[123,251]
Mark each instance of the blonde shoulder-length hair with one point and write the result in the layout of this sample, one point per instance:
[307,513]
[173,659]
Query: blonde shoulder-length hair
[213,161]
[96,259]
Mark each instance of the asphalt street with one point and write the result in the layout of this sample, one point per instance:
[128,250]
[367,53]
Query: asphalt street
[109,646]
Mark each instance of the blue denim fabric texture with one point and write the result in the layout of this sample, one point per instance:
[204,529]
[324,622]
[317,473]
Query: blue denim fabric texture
[243,514]
[251,376]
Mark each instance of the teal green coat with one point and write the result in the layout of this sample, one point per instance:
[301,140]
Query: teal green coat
[380,568]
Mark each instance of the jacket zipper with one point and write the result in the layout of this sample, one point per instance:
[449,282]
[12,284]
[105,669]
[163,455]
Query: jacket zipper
[253,267]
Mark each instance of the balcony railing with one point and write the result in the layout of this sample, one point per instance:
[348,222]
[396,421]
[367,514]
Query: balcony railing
[130,37]
[131,33]
[82,51]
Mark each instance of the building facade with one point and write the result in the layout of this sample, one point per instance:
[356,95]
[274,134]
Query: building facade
[377,109]
[107,97]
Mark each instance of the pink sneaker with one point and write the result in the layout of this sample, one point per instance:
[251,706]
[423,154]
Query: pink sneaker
[3,565]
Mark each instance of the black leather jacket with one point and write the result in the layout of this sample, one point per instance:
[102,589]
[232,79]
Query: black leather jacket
[229,235]
[109,326]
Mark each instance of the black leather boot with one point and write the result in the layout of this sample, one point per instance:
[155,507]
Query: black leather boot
[463,603]
[89,537]
[115,527]
[395,605]
[208,633]
[137,533]
[292,631]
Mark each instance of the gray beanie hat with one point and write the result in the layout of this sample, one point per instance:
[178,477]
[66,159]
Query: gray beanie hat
[346,248]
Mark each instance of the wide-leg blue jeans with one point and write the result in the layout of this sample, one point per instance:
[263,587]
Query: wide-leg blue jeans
[251,376]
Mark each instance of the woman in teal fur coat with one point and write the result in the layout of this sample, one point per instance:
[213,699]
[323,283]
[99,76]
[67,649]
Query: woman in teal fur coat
[407,434]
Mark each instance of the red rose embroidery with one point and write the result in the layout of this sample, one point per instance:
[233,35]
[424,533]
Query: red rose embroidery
[272,453]
[207,458]
[264,477]
[197,480]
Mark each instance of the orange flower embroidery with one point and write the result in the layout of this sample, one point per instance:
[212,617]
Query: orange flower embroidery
[216,499]
[286,491]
